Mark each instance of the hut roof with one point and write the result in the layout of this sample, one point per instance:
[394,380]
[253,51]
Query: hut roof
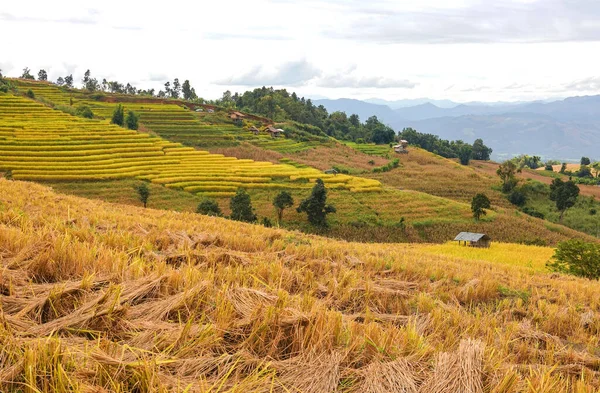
[273,129]
[239,114]
[253,128]
[471,237]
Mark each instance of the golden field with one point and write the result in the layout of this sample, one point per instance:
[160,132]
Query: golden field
[98,297]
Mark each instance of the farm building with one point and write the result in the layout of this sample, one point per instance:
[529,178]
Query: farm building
[237,116]
[470,239]
[401,147]
[254,130]
[275,132]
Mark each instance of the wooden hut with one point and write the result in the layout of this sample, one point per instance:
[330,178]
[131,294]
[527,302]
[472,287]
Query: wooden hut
[254,130]
[480,240]
[275,132]
[401,147]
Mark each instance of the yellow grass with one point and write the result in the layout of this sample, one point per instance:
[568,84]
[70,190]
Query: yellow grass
[506,253]
[110,298]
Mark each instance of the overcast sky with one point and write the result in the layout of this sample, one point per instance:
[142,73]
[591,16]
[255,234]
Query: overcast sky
[464,50]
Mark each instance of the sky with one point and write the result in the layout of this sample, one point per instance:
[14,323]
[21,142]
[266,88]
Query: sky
[462,50]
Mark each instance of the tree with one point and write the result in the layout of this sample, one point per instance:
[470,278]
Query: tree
[69,81]
[209,207]
[481,151]
[27,74]
[564,194]
[316,207]
[479,203]
[91,84]
[176,90]
[585,161]
[143,193]
[60,81]
[282,201]
[132,120]
[241,207]
[30,94]
[507,172]
[188,92]
[596,166]
[118,116]
[578,258]
[563,167]
[517,197]
[42,75]
[549,167]
[464,154]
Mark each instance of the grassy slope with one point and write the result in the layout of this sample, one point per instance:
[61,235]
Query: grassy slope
[99,297]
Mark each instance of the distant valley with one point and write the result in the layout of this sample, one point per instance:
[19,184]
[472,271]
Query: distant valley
[565,129]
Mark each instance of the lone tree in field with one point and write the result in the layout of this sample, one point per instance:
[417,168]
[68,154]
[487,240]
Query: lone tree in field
[118,116]
[143,193]
[585,161]
[481,151]
[479,203]
[507,172]
[316,207]
[209,207]
[564,194]
[241,207]
[132,120]
[282,201]
[69,81]
[578,258]
[188,91]
[42,75]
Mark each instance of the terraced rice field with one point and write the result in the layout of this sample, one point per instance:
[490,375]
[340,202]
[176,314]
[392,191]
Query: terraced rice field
[39,143]
[171,121]
[371,148]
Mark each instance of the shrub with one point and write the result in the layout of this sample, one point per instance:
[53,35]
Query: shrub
[8,175]
[533,213]
[517,198]
[143,193]
[132,120]
[84,111]
[282,201]
[118,116]
[241,207]
[266,222]
[30,94]
[4,88]
[209,207]
[578,258]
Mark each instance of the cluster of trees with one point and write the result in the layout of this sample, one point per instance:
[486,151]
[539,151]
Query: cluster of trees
[280,105]
[449,149]
[578,258]
[118,118]
[315,207]
[563,193]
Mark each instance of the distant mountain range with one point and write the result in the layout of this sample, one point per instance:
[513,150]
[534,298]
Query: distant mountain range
[565,129]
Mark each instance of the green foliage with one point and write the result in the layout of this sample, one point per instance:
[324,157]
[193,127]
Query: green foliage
[564,194]
[30,94]
[118,116]
[481,151]
[84,111]
[209,207]
[132,120]
[563,167]
[42,75]
[89,83]
[526,161]
[507,172]
[266,222]
[532,212]
[188,92]
[479,203]
[517,197]
[387,167]
[4,88]
[143,193]
[8,175]
[464,154]
[584,172]
[282,201]
[549,167]
[585,161]
[241,207]
[316,207]
[577,258]
[68,81]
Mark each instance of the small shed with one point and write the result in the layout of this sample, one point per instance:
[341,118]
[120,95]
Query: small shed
[275,132]
[401,147]
[237,116]
[254,130]
[480,240]
[331,171]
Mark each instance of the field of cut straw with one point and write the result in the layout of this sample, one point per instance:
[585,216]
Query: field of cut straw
[111,298]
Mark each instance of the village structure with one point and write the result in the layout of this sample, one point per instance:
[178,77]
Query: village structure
[479,240]
[401,147]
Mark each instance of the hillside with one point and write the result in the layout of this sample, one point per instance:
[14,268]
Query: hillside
[424,200]
[101,297]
